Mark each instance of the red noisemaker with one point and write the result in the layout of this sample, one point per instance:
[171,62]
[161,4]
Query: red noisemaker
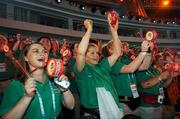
[3,44]
[175,67]
[115,17]
[152,36]
[23,40]
[55,69]
[5,48]
[66,55]
[20,37]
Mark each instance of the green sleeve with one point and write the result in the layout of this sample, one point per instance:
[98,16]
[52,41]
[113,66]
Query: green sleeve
[11,96]
[104,64]
[79,75]
[117,67]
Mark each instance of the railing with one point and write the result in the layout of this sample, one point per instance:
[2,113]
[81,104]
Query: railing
[126,27]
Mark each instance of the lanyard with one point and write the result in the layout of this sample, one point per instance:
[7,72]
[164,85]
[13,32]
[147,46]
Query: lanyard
[41,102]
[131,78]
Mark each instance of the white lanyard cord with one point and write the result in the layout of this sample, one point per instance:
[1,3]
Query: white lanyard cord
[41,102]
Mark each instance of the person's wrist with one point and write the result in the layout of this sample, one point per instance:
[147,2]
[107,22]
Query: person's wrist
[143,52]
[148,54]
[90,29]
[27,98]
[28,95]
[64,91]
[114,32]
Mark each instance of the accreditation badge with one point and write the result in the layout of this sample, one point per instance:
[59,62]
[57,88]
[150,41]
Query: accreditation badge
[161,95]
[134,91]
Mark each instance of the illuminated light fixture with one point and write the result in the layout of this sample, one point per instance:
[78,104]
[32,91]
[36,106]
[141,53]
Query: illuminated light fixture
[153,21]
[122,16]
[58,1]
[165,3]
[82,7]
[140,19]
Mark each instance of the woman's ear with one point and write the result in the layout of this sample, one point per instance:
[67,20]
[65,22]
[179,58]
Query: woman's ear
[26,59]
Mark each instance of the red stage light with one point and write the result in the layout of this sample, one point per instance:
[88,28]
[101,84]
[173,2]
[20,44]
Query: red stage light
[165,3]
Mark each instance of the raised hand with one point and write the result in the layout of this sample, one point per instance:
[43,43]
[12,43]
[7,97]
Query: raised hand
[144,46]
[30,87]
[113,20]
[88,24]
[18,36]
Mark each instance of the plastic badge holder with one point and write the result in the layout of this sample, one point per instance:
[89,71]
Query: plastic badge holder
[62,83]
[55,69]
[160,99]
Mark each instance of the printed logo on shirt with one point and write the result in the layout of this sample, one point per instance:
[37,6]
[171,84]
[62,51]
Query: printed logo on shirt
[90,75]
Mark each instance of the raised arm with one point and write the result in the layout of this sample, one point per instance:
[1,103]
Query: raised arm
[155,80]
[147,60]
[134,65]
[68,99]
[16,45]
[116,42]
[83,45]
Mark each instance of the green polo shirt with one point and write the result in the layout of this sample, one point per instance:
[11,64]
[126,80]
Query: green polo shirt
[153,90]
[125,59]
[122,81]
[92,77]
[16,91]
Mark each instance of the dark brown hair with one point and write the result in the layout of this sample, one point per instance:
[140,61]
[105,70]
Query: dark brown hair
[22,59]
[105,50]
